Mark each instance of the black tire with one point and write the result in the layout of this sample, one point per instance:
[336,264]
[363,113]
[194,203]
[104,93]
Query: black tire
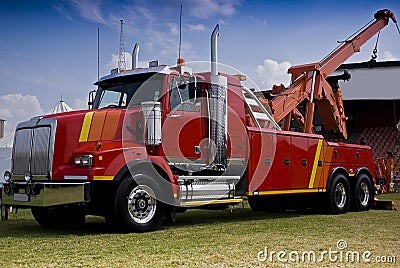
[136,206]
[170,215]
[72,216]
[363,193]
[4,213]
[256,203]
[109,217]
[339,195]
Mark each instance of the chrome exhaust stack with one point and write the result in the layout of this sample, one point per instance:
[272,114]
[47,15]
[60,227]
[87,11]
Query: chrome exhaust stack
[218,109]
[135,56]
[214,50]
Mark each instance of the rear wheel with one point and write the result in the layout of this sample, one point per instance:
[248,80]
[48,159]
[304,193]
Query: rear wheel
[136,206]
[363,193]
[339,195]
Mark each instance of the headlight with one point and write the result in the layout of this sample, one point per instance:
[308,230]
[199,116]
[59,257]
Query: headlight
[7,176]
[84,160]
[28,176]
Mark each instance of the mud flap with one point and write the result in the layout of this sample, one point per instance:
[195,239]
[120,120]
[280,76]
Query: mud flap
[383,205]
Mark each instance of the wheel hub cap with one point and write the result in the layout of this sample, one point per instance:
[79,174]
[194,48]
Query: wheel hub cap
[142,204]
[364,194]
[340,194]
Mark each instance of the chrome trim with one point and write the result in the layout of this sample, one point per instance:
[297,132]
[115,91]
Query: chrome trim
[71,177]
[47,194]
[33,148]
[158,69]
[206,189]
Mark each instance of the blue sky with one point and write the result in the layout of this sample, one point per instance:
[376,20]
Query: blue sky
[49,48]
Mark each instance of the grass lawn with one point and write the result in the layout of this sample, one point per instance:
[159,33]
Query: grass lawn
[209,239]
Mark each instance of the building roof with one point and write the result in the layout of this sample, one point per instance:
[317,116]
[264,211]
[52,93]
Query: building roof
[371,80]
[60,107]
[369,65]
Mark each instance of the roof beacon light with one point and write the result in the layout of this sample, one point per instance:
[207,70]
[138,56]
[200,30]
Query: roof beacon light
[153,63]
[180,62]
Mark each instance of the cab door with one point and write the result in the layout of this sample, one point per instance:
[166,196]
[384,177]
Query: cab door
[184,129]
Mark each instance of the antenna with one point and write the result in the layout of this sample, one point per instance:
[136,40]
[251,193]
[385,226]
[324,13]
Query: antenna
[180,32]
[98,53]
[121,61]
[180,61]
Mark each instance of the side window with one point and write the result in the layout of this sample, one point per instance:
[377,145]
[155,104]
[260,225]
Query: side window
[183,96]
[112,99]
[175,97]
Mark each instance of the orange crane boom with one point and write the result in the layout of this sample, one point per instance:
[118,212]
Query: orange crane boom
[309,82]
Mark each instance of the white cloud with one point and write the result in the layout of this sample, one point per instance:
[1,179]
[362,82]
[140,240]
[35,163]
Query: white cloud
[388,56]
[16,108]
[115,58]
[88,9]
[81,103]
[173,28]
[206,8]
[222,22]
[273,73]
[196,27]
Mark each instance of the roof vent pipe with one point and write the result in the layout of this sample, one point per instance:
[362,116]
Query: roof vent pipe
[214,50]
[135,56]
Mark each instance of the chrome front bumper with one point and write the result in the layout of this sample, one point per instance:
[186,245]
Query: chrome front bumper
[44,194]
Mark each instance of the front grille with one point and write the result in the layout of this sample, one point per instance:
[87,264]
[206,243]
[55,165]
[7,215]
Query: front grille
[33,147]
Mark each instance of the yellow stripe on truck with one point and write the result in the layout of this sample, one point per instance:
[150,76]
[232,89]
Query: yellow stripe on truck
[294,191]
[86,127]
[103,178]
[315,165]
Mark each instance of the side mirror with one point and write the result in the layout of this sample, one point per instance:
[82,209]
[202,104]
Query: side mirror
[91,99]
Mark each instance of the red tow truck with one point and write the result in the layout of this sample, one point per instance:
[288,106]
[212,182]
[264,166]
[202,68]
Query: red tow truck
[161,139]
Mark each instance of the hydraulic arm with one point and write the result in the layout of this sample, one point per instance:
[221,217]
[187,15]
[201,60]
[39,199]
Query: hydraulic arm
[310,83]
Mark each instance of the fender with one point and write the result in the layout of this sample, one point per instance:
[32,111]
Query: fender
[162,164]
[365,171]
[154,173]
[334,171]
[142,165]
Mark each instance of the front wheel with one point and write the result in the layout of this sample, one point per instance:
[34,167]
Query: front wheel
[339,195]
[136,206]
[363,193]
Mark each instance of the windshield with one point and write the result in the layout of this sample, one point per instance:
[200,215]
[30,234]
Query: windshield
[124,91]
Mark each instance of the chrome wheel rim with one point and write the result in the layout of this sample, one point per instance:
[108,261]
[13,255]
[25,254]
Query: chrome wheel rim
[364,194]
[141,204]
[340,195]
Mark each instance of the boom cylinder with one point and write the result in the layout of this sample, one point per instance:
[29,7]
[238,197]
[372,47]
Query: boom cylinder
[310,117]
